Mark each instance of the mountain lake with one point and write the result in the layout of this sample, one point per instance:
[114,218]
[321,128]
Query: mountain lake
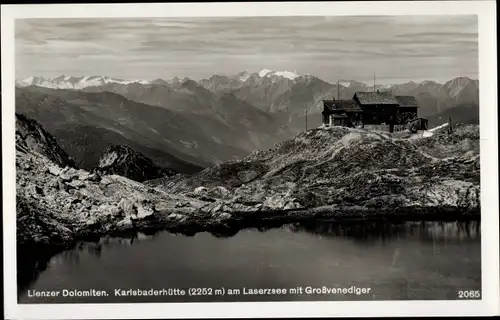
[388,261]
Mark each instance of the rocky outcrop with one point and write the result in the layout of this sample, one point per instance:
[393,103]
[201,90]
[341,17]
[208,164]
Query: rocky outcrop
[30,135]
[123,160]
[352,168]
[334,173]
[58,204]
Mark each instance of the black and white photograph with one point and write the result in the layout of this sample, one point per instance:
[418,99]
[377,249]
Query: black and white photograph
[218,158]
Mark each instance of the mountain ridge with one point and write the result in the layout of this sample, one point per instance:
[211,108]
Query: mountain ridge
[149,127]
[283,94]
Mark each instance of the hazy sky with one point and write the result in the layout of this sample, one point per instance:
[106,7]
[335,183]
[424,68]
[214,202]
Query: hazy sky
[398,49]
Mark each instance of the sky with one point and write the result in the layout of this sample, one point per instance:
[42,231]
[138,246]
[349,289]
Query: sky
[396,48]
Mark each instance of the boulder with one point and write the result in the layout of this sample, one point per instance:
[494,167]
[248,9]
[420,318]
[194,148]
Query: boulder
[182,204]
[292,205]
[125,223]
[76,184]
[83,176]
[175,216]
[145,211]
[105,181]
[54,170]
[281,202]
[200,191]
[94,177]
[217,208]
[68,174]
[128,207]
[222,216]
[110,209]
[219,192]
[91,221]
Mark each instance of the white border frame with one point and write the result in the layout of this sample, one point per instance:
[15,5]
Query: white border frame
[489,305]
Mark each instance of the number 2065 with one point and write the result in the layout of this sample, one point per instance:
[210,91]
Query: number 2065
[469,294]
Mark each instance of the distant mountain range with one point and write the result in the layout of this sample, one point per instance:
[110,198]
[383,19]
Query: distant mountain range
[270,91]
[184,125]
[288,97]
[68,82]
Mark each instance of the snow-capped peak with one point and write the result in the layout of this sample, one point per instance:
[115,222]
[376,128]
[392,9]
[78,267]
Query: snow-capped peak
[264,72]
[30,81]
[68,82]
[244,76]
[285,74]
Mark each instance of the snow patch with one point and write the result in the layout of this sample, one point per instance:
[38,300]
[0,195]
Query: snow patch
[68,82]
[438,127]
[244,77]
[264,72]
[427,134]
[430,132]
[285,74]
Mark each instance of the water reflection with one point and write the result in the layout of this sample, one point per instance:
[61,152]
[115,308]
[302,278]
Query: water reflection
[380,231]
[39,259]
[30,266]
[361,234]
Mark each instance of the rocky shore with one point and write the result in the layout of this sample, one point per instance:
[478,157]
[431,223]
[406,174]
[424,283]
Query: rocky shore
[325,173]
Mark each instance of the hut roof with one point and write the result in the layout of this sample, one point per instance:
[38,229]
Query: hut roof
[342,105]
[407,101]
[375,98]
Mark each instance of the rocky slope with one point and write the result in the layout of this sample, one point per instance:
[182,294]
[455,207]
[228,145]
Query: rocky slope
[334,173]
[30,135]
[125,161]
[350,169]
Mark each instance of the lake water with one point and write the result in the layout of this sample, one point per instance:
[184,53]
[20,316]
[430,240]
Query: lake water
[417,260]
